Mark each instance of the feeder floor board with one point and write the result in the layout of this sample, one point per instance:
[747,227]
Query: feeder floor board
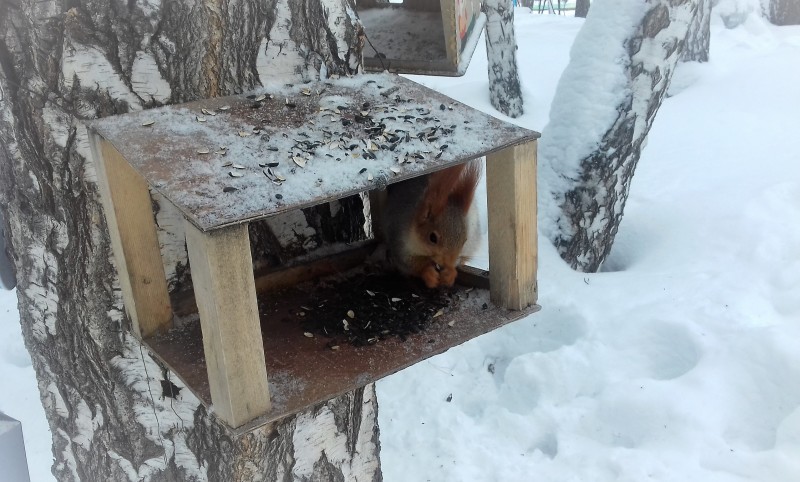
[304,371]
[232,160]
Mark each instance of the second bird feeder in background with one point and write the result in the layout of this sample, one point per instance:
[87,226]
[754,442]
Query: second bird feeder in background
[427,37]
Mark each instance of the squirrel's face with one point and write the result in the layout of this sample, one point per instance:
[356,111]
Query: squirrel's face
[437,248]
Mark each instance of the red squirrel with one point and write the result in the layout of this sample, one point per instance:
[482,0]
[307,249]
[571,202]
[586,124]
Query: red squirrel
[425,223]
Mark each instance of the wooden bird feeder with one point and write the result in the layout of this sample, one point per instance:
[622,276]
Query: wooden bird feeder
[228,162]
[428,37]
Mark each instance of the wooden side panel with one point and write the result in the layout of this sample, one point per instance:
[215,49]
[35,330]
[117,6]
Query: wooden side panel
[451,40]
[511,193]
[131,224]
[377,208]
[225,292]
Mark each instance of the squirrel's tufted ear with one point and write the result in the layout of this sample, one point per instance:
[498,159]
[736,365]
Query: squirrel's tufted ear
[463,190]
[455,185]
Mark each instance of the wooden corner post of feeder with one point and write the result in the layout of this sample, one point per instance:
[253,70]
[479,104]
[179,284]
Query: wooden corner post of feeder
[511,199]
[228,162]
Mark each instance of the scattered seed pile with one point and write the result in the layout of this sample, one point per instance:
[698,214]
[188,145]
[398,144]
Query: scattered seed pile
[364,310]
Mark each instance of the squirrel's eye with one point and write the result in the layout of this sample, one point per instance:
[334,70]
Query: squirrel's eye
[437,267]
[434,238]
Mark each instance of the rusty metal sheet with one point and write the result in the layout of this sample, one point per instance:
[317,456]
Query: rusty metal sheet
[318,139]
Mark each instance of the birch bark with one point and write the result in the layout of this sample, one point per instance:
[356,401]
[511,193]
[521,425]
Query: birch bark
[698,39]
[114,412]
[501,48]
[593,142]
[581,8]
[784,12]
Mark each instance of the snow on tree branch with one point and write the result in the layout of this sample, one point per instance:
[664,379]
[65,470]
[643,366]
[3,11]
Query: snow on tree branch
[620,67]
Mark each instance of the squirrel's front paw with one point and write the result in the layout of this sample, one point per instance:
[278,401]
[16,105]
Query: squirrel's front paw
[435,276]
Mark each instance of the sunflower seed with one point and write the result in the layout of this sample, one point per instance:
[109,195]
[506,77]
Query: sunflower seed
[261,98]
[308,334]
[235,174]
[238,166]
[227,164]
[351,314]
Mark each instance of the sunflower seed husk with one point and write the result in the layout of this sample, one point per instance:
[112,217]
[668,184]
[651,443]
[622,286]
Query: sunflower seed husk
[235,174]
[200,119]
[244,134]
[224,108]
[203,151]
[148,123]
[299,161]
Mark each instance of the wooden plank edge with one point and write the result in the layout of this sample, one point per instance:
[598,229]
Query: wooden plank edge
[271,418]
[393,179]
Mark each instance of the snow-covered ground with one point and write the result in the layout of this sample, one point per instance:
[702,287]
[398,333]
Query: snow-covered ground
[679,362]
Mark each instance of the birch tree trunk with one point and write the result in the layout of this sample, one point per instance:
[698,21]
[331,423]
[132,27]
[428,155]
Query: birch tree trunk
[698,39]
[114,412]
[784,12]
[581,8]
[501,48]
[604,106]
